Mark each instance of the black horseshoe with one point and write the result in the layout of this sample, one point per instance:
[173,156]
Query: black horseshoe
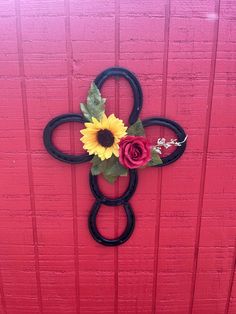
[111,242]
[134,83]
[55,152]
[133,181]
[179,131]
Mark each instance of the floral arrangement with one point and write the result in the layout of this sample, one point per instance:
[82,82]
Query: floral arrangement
[116,148]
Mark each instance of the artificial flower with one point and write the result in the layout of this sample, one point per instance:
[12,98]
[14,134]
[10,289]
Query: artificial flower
[134,152]
[101,138]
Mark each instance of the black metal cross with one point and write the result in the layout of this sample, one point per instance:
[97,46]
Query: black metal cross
[133,176]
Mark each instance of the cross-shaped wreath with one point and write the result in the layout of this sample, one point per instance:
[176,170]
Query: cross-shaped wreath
[114,149]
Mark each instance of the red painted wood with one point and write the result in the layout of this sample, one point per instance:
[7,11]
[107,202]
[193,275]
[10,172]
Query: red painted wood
[181,257]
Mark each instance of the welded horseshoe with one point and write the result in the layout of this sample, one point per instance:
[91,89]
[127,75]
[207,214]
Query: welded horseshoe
[92,223]
[121,200]
[52,149]
[132,185]
[102,199]
[180,134]
[134,84]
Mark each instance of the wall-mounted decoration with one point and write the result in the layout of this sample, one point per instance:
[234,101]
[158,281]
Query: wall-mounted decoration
[115,149]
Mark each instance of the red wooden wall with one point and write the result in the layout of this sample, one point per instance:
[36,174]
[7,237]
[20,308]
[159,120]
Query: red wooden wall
[181,257]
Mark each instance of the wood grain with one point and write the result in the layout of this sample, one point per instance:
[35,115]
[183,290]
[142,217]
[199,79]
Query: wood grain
[181,257]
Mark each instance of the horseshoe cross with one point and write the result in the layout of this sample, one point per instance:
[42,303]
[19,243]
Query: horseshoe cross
[100,198]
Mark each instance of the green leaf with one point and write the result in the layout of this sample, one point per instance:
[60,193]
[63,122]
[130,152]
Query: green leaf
[110,168]
[96,160]
[110,179]
[111,161]
[95,106]
[96,170]
[116,169]
[98,166]
[94,96]
[156,159]
[136,129]
[85,112]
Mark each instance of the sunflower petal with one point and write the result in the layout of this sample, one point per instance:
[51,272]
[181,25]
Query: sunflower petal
[90,140]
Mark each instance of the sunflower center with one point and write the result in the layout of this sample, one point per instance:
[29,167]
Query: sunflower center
[105,138]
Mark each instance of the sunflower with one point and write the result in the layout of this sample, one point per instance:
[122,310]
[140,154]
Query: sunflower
[101,138]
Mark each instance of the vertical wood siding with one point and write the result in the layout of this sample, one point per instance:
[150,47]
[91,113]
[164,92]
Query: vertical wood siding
[181,257]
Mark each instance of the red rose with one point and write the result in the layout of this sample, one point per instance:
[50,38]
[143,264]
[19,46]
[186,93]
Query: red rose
[134,152]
